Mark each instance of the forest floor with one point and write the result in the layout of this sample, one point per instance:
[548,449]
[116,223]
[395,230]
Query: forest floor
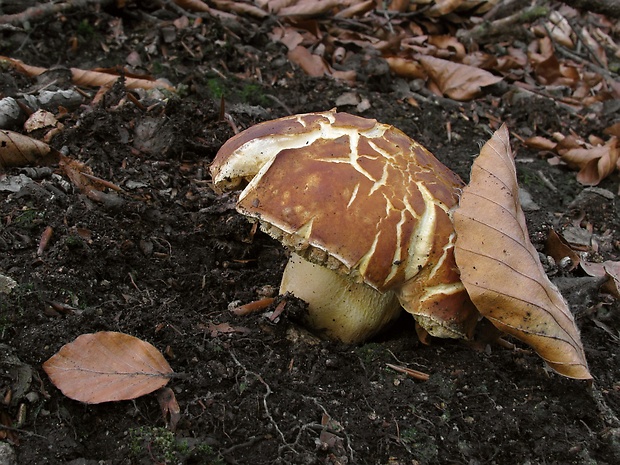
[163,260]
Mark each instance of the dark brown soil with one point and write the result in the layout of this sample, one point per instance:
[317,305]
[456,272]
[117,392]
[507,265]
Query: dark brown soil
[164,259]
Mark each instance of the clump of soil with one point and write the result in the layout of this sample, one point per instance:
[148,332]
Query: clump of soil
[163,260]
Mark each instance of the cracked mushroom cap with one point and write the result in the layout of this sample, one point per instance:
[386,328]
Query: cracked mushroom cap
[358,197]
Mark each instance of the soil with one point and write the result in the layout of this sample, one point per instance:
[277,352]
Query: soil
[163,260]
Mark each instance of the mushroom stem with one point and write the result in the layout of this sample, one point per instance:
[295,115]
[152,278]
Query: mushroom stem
[338,306]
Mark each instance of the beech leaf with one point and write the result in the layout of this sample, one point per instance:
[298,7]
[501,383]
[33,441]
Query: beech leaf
[107,366]
[457,81]
[595,163]
[500,267]
[19,150]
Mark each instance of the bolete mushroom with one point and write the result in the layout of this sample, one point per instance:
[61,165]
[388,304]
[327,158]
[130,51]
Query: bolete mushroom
[365,211]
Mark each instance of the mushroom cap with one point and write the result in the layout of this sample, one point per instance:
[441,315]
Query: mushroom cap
[354,195]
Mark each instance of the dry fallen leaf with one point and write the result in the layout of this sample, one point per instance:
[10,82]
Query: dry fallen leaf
[613,130]
[560,250]
[19,150]
[540,143]
[594,163]
[457,81]
[313,65]
[107,366]
[407,68]
[609,269]
[309,8]
[169,407]
[500,267]
[612,285]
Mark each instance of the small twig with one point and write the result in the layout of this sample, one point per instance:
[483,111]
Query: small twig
[231,122]
[594,67]
[252,307]
[279,102]
[566,104]
[265,396]
[134,283]
[278,311]
[504,8]
[250,442]
[486,30]
[546,181]
[591,52]
[22,431]
[326,428]
[108,184]
[42,10]
[415,374]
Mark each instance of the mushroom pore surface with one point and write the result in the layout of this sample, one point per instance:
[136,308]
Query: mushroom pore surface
[359,198]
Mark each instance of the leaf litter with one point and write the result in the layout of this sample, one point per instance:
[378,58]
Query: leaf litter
[165,263]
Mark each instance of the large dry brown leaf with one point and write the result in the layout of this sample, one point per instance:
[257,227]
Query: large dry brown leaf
[19,150]
[457,81]
[107,366]
[500,267]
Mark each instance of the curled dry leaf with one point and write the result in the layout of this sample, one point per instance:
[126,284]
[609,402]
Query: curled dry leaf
[608,269]
[107,366]
[19,150]
[559,249]
[612,285]
[613,130]
[500,267]
[169,407]
[193,5]
[407,68]
[594,163]
[457,81]
[313,65]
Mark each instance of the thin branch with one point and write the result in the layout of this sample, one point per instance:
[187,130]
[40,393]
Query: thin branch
[40,11]
[487,30]
[606,7]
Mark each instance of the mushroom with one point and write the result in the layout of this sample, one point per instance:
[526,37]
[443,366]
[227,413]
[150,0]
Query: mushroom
[365,212]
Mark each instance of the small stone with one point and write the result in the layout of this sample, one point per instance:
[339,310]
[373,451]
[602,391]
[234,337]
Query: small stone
[7,454]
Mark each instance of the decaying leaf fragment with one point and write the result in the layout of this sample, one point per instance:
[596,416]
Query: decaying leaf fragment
[107,366]
[500,267]
[19,150]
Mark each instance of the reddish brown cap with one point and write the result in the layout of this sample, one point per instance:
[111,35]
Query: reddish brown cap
[354,195]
